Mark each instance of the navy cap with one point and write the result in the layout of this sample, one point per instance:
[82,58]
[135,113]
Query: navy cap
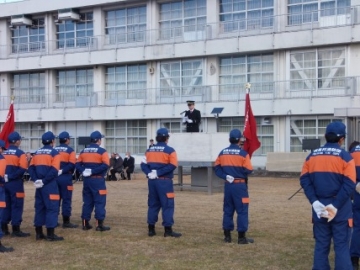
[96,135]
[337,128]
[13,137]
[190,101]
[163,132]
[64,135]
[235,133]
[47,137]
[2,144]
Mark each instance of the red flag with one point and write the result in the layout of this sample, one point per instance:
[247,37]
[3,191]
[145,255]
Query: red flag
[9,124]
[252,143]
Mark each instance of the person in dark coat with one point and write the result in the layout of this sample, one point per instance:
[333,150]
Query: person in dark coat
[129,165]
[192,117]
[117,166]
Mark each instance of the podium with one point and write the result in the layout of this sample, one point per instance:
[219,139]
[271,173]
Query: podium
[199,151]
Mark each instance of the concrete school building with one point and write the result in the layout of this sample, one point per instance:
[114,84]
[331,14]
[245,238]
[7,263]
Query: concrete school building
[126,68]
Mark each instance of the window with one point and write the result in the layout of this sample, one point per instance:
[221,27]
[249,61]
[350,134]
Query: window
[318,69]
[185,18]
[181,79]
[126,25]
[28,38]
[246,15]
[235,71]
[28,87]
[126,82]
[307,128]
[173,125]
[74,83]
[31,133]
[74,34]
[123,136]
[265,132]
[307,11]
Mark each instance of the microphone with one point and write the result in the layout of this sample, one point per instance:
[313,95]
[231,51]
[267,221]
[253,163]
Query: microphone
[183,112]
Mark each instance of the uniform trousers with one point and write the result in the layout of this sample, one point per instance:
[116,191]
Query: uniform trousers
[66,188]
[94,196]
[14,197]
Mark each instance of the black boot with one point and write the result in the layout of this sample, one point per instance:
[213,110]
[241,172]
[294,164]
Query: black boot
[355,263]
[170,232]
[17,232]
[86,225]
[100,226]
[4,249]
[51,236]
[67,223]
[39,233]
[242,239]
[5,229]
[227,234]
[151,230]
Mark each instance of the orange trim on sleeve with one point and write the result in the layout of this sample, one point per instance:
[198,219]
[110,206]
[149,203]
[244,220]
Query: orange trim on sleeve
[245,200]
[102,191]
[54,197]
[2,204]
[71,188]
[173,159]
[170,195]
[20,195]
[351,222]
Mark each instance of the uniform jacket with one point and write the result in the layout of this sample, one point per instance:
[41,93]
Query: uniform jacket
[16,163]
[129,163]
[196,117]
[161,158]
[95,158]
[355,153]
[233,161]
[67,158]
[2,169]
[45,164]
[328,175]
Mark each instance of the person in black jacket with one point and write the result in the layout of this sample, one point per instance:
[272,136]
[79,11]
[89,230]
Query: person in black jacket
[117,166]
[129,165]
[192,117]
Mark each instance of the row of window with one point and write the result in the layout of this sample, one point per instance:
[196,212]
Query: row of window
[315,69]
[131,135]
[177,18]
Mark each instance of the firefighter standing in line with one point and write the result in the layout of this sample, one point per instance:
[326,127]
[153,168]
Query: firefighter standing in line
[159,164]
[43,170]
[3,249]
[64,179]
[233,165]
[14,187]
[328,178]
[93,163]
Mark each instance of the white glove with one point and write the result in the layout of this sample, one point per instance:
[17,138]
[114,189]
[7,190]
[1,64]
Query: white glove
[38,183]
[87,173]
[6,178]
[189,121]
[319,209]
[332,211]
[357,188]
[153,174]
[185,118]
[230,178]
[59,172]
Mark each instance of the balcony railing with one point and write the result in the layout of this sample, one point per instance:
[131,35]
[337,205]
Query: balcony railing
[251,26]
[294,89]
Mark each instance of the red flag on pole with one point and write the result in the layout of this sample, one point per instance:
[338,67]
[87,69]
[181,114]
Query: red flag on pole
[252,143]
[9,124]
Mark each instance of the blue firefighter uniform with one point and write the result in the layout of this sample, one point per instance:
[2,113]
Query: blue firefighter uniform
[96,159]
[328,176]
[64,180]
[235,162]
[355,239]
[2,196]
[163,159]
[44,166]
[14,188]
